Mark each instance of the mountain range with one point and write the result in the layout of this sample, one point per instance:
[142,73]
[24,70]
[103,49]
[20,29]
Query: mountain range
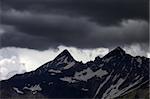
[117,75]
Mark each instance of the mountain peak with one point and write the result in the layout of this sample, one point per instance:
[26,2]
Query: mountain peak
[117,51]
[65,54]
[65,51]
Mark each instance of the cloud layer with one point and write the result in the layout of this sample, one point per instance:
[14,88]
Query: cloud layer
[41,31]
[40,24]
[10,66]
[102,11]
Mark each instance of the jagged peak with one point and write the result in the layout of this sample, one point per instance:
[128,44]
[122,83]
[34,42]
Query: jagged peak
[117,51]
[66,54]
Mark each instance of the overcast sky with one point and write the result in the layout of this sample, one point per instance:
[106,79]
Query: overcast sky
[43,24]
[38,27]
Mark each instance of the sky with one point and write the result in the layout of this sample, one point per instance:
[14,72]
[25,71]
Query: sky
[29,28]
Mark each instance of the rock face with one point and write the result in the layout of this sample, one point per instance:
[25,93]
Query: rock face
[115,75]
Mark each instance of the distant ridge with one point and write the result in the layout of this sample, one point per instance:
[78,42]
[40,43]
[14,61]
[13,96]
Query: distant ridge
[111,76]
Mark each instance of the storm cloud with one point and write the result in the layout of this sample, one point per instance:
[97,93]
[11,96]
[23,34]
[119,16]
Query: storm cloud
[42,24]
[103,11]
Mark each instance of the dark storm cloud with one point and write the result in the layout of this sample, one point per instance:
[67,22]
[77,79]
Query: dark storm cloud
[24,41]
[10,36]
[103,11]
[72,31]
[82,23]
[55,27]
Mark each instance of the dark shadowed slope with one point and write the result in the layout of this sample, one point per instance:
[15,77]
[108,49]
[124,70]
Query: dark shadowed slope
[114,75]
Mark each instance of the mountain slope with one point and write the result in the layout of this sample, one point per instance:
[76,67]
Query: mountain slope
[114,75]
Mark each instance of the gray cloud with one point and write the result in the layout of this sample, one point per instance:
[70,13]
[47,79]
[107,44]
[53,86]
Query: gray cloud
[12,37]
[60,29]
[24,41]
[102,11]
[42,24]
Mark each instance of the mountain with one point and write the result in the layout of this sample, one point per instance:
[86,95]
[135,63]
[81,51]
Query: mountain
[116,75]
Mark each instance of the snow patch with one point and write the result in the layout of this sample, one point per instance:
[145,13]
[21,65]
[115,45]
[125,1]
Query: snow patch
[101,85]
[108,59]
[65,61]
[84,75]
[50,83]
[17,90]
[139,60]
[84,89]
[53,74]
[115,77]
[54,71]
[88,73]
[61,60]
[113,90]
[34,88]
[69,65]
[68,79]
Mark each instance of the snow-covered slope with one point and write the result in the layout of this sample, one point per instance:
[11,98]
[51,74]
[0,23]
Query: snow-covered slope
[114,75]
